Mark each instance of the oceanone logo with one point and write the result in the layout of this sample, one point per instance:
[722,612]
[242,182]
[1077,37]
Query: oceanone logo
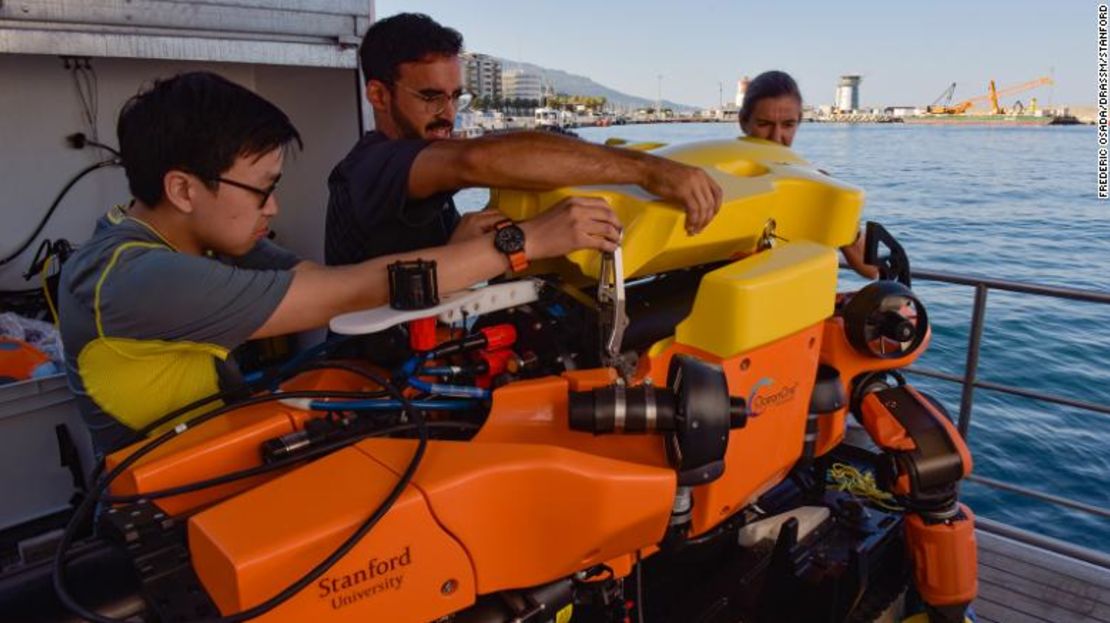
[759,401]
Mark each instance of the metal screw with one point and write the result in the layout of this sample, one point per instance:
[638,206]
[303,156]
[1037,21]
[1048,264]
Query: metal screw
[449,587]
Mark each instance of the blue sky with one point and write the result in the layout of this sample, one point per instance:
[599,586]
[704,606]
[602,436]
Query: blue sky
[907,52]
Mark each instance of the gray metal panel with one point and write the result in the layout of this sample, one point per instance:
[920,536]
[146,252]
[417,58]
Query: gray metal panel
[321,33]
[341,7]
[35,484]
[194,16]
[181,48]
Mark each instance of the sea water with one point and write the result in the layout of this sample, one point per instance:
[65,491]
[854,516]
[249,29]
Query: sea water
[1016,203]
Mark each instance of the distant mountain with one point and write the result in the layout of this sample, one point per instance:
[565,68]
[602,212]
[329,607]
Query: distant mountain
[573,84]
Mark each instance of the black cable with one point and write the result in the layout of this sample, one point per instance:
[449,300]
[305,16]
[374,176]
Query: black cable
[354,539]
[101,485]
[639,588]
[280,375]
[78,140]
[95,98]
[86,114]
[259,470]
[88,94]
[107,148]
[54,206]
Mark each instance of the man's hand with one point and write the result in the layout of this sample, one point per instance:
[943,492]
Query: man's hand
[476,224]
[573,223]
[853,254]
[689,186]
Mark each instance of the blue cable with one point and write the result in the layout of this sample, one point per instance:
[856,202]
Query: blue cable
[384,404]
[299,359]
[443,370]
[413,364]
[460,391]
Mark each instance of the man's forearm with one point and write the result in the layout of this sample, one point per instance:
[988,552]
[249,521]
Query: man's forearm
[320,293]
[540,161]
[525,161]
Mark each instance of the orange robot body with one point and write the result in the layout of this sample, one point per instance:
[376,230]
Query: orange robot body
[837,352]
[527,494]
[222,445]
[945,558]
[535,412]
[249,548]
[775,381]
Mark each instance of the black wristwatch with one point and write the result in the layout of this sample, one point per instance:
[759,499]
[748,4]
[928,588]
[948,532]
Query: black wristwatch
[508,238]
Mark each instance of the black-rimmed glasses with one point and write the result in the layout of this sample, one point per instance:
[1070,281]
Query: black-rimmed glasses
[265,193]
[436,102]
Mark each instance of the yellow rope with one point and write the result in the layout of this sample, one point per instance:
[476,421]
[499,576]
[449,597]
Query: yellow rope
[46,290]
[845,477]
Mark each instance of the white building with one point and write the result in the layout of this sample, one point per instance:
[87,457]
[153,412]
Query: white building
[902,111]
[521,84]
[847,93]
[482,75]
[741,89]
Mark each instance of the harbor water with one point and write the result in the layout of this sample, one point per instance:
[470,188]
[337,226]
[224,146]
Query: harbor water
[1015,203]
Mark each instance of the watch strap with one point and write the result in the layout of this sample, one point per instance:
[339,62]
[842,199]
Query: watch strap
[518,260]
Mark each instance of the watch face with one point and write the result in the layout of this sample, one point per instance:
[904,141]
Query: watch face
[509,239]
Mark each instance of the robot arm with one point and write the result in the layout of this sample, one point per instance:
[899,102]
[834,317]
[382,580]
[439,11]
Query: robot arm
[927,458]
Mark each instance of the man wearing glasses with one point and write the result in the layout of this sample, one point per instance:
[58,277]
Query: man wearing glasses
[393,191]
[152,306]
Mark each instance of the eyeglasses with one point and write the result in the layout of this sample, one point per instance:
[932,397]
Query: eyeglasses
[435,102]
[261,192]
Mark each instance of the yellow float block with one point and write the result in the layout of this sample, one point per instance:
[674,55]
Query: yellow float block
[762,182]
[761,299]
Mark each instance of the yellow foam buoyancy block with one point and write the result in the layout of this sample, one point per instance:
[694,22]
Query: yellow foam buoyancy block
[762,298]
[761,181]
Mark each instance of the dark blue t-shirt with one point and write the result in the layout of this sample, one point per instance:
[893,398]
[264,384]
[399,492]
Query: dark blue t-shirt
[369,211]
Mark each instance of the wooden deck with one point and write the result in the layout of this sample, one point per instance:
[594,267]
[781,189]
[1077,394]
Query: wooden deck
[1020,583]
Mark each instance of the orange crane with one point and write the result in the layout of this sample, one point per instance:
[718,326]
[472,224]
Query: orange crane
[992,96]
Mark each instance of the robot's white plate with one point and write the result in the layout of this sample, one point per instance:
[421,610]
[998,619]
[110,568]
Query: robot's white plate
[451,308]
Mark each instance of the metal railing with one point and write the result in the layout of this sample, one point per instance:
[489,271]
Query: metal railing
[970,380]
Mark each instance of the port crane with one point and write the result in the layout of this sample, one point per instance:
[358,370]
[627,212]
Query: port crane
[992,96]
[946,95]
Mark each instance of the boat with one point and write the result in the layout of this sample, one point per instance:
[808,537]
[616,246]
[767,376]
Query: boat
[980,119]
[964,113]
[546,118]
[468,125]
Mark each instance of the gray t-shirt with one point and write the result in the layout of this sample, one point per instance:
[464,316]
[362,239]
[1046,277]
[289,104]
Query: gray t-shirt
[148,330]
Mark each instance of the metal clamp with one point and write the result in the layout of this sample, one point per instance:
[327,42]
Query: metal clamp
[768,237]
[612,319]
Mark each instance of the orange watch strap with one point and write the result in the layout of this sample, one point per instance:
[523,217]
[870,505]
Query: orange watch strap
[518,261]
